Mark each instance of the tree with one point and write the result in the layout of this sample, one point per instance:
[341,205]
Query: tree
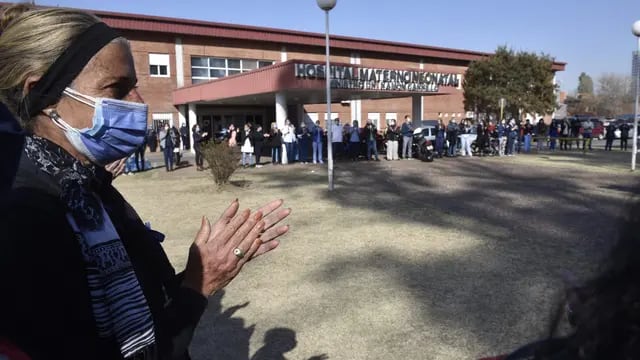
[524,79]
[614,94]
[585,85]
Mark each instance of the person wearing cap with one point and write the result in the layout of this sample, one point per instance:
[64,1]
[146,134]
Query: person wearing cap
[82,276]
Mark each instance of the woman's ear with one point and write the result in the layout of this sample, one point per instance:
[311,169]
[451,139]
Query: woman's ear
[29,83]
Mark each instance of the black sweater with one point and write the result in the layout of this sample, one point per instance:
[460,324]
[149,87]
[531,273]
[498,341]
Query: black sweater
[45,307]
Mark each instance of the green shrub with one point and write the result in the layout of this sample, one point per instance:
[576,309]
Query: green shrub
[222,160]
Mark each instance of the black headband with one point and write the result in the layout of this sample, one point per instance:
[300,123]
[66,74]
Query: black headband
[66,68]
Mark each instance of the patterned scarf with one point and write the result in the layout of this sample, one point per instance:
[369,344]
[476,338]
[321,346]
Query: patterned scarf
[119,306]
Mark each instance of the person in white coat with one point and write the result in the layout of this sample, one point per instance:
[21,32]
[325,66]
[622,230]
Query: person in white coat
[336,138]
[288,139]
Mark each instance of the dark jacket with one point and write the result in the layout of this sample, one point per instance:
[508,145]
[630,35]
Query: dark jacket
[370,132]
[45,305]
[407,129]
[393,133]
[11,141]
[624,131]
[197,140]
[541,129]
[175,137]
[275,138]
[258,138]
[611,132]
[452,131]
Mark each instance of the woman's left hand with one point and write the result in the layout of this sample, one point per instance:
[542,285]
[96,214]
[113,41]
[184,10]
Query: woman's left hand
[116,168]
[273,214]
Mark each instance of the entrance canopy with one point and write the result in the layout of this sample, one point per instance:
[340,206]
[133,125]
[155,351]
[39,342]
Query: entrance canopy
[303,82]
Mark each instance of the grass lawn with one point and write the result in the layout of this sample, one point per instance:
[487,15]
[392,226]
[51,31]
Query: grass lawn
[456,259]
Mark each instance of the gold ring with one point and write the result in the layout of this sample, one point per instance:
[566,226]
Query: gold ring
[239,253]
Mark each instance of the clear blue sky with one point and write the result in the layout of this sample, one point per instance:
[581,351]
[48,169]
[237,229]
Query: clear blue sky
[593,36]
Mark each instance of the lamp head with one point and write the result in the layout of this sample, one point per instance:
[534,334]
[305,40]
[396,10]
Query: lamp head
[635,29]
[326,5]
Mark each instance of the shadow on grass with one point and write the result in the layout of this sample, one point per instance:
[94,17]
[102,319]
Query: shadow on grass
[532,225]
[223,336]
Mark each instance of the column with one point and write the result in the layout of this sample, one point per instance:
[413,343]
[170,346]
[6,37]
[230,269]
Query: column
[281,109]
[283,54]
[193,119]
[416,108]
[356,111]
[179,63]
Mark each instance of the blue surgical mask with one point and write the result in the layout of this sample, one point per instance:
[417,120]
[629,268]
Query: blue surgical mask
[119,128]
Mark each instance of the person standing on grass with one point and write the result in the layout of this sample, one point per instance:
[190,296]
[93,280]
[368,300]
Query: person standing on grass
[166,140]
[624,136]
[407,137]
[354,141]
[392,135]
[336,139]
[610,136]
[317,133]
[587,130]
[565,131]
[198,138]
[502,137]
[258,141]
[554,131]
[288,137]
[304,143]
[275,141]
[575,132]
[512,133]
[452,137]
[140,155]
[541,134]
[370,136]
[527,131]
[440,138]
[465,142]
[246,139]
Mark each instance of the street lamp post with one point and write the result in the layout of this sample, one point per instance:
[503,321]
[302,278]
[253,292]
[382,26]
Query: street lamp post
[328,5]
[635,29]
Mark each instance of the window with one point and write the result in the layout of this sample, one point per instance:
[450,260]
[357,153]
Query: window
[159,65]
[210,68]
[313,117]
[375,117]
[162,119]
[333,116]
[390,116]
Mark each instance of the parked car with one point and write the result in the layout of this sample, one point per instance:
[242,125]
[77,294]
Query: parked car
[598,125]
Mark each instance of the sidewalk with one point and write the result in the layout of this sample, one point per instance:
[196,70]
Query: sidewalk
[156,159]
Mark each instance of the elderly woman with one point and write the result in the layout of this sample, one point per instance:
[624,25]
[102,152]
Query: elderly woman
[81,276]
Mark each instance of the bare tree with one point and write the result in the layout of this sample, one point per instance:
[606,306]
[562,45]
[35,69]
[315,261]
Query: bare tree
[613,94]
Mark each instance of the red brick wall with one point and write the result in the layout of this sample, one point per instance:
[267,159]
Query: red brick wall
[157,91]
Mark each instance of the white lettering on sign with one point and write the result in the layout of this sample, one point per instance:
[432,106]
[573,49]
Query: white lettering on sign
[360,78]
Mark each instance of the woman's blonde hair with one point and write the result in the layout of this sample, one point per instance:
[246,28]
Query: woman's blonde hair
[31,40]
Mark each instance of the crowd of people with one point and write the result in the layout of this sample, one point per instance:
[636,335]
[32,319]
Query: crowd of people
[290,144]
